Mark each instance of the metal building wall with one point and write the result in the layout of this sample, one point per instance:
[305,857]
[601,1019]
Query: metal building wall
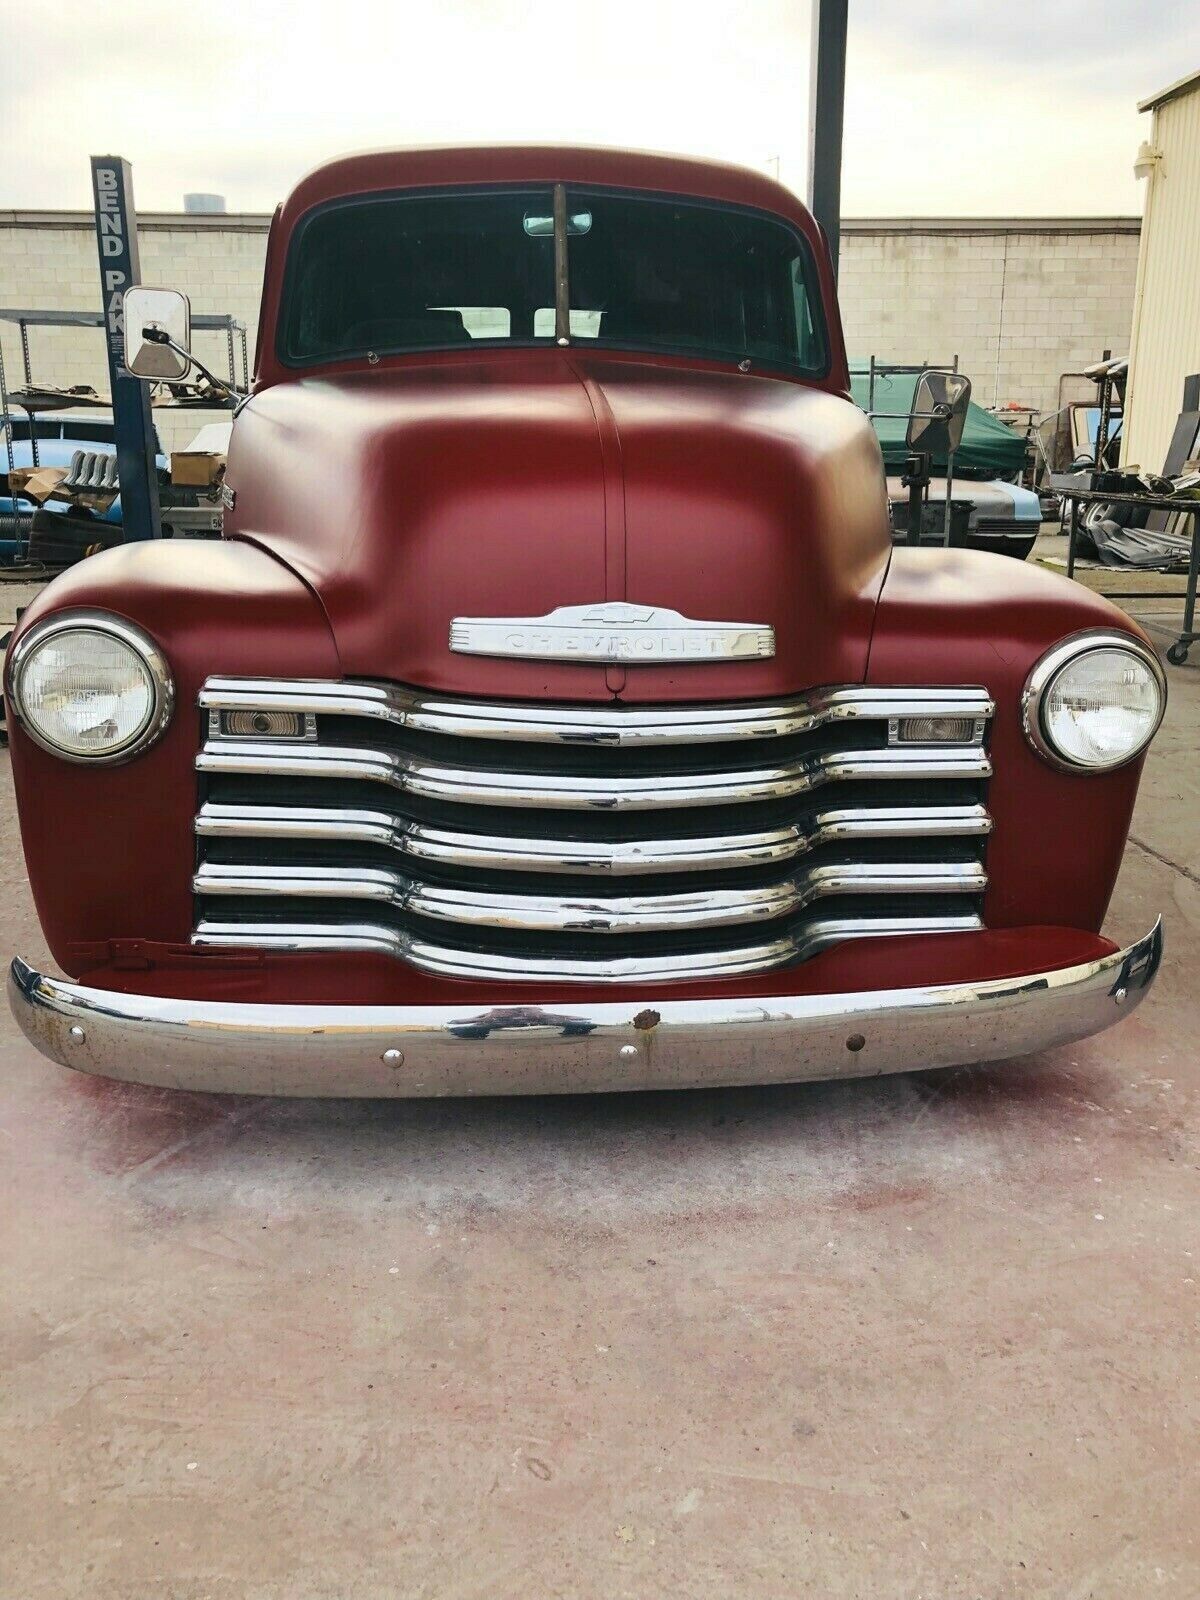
[1165,342]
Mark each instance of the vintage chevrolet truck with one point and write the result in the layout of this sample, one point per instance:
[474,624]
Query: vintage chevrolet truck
[555,712]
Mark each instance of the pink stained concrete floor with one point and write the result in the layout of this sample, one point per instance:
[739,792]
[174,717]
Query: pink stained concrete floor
[924,1336]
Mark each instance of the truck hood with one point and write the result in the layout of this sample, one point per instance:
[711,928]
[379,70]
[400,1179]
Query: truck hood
[510,484]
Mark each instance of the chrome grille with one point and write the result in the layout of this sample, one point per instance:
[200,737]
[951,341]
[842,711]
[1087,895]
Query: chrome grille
[584,844]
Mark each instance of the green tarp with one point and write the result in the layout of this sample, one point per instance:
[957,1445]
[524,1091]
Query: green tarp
[989,448]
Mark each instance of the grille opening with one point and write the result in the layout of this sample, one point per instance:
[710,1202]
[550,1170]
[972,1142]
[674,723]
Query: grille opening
[688,822]
[284,913]
[943,810]
[319,853]
[596,760]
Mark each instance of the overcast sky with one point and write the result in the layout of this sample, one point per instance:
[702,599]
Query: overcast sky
[983,107]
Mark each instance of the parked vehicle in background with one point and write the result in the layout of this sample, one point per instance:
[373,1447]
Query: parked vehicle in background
[555,712]
[1002,517]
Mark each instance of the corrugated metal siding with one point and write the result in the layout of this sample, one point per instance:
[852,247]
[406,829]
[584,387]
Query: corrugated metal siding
[1165,343]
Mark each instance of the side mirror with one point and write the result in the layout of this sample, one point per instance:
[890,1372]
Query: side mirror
[939,413]
[158,333]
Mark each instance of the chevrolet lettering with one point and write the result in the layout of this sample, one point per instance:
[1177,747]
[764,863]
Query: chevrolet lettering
[612,632]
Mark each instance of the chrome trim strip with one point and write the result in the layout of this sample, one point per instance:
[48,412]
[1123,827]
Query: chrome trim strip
[654,913]
[602,725]
[561,1047]
[608,858]
[1046,670]
[478,786]
[458,963]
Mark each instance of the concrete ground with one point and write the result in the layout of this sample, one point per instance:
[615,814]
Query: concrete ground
[930,1336]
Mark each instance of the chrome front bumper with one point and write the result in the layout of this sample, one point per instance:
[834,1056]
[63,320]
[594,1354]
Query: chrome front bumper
[532,1049]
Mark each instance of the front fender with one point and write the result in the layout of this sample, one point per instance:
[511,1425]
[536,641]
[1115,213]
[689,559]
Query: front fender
[109,849]
[961,616]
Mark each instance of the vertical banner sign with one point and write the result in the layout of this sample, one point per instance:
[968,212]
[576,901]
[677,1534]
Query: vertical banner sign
[116,241]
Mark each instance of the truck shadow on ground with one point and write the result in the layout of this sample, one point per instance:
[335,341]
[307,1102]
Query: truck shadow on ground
[959,1120]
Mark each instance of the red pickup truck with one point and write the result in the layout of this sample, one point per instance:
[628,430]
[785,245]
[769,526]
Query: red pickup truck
[555,712]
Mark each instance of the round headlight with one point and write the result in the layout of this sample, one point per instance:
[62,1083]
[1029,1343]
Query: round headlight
[90,687]
[1094,702]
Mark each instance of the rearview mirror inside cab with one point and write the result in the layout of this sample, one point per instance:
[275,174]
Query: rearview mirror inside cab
[540,225]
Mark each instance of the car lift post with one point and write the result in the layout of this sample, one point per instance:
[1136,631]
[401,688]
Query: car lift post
[826,103]
[120,268]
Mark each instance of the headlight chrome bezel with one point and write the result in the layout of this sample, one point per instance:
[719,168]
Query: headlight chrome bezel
[1044,675]
[133,637]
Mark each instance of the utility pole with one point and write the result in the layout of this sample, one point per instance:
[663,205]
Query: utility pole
[826,106]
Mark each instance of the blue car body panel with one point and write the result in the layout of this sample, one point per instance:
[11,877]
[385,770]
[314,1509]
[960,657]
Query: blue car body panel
[58,453]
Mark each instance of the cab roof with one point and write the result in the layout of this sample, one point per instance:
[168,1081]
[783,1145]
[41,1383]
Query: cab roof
[479,166]
[451,166]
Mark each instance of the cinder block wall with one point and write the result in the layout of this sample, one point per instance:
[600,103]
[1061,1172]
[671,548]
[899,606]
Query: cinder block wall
[1020,302]
[48,262]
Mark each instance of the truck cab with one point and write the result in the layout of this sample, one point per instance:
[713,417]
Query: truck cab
[555,712]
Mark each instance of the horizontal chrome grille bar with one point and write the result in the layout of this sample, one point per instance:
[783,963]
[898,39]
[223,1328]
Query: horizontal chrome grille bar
[608,858]
[619,726]
[657,913]
[565,791]
[295,853]
[455,963]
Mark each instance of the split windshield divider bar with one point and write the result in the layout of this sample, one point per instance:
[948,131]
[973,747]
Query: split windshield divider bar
[562,285]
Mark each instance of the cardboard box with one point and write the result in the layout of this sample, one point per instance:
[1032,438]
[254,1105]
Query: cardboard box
[196,469]
[35,483]
[92,500]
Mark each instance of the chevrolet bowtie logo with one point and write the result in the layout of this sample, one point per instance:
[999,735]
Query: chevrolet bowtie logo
[616,614]
[612,631]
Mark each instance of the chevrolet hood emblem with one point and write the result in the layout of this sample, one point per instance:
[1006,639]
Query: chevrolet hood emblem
[611,631]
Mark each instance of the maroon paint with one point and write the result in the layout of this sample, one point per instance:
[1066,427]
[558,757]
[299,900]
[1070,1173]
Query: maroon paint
[485,485]
[110,850]
[468,166]
[960,616]
[510,482]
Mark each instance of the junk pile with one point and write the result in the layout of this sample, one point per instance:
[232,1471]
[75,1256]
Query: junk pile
[69,506]
[1113,533]
[1151,537]
[1158,539]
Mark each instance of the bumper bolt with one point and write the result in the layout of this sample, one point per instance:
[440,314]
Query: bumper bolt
[628,1050]
[1119,994]
[392,1058]
[77,1034]
[855,1043]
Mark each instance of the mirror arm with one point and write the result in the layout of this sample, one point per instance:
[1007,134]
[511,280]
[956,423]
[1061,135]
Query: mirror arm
[161,336]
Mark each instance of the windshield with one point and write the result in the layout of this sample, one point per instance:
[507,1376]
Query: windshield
[425,272]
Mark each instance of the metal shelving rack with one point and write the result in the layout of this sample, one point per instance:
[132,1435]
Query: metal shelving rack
[24,319]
